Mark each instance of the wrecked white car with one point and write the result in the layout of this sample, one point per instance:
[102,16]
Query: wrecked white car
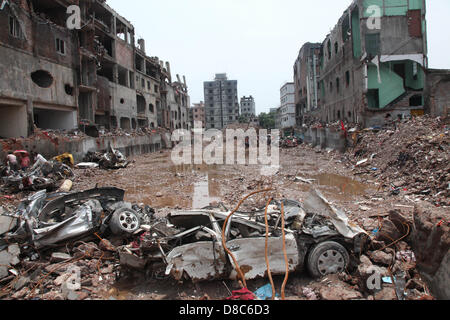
[318,236]
[48,221]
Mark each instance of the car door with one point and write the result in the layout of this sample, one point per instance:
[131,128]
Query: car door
[202,260]
[250,255]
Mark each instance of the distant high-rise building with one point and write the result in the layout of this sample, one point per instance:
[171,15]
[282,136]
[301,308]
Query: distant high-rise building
[287,108]
[248,107]
[197,113]
[221,102]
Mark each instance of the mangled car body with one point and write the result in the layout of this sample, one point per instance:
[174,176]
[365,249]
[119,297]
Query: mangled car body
[318,236]
[51,220]
[42,175]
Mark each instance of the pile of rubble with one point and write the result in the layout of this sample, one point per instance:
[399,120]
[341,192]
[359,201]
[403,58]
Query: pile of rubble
[42,175]
[77,245]
[412,159]
[113,159]
[53,247]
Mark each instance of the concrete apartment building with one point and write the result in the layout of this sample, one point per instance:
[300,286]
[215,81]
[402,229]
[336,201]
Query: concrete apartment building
[306,80]
[370,70]
[221,102]
[62,78]
[197,113]
[248,107]
[287,107]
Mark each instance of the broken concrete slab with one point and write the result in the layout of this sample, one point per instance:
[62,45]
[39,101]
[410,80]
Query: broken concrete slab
[61,279]
[60,257]
[3,272]
[340,291]
[22,282]
[6,223]
[431,244]
[7,259]
[387,293]
[14,250]
[381,257]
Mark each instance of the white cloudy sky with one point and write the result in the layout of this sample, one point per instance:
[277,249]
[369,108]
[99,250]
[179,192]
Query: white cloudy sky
[255,41]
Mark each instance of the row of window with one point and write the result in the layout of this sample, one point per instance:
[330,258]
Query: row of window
[338,83]
[149,86]
[231,118]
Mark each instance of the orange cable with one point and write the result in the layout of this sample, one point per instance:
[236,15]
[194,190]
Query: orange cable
[238,269]
[269,273]
[283,287]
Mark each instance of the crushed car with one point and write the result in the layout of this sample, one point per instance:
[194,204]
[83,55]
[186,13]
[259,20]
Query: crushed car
[112,159]
[42,175]
[318,236]
[52,220]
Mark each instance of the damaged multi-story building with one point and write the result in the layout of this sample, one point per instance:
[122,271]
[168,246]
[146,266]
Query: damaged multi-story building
[55,77]
[306,80]
[373,64]
[197,113]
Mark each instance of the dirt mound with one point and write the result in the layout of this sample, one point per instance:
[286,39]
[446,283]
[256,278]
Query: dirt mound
[412,158]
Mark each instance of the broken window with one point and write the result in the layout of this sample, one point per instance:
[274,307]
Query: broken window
[42,78]
[416,101]
[113,122]
[132,80]
[373,44]
[140,104]
[69,89]
[373,98]
[139,63]
[329,49]
[123,77]
[346,28]
[107,71]
[60,46]
[347,78]
[121,30]
[14,28]
[125,123]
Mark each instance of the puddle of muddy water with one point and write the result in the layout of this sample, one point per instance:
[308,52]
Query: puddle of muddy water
[202,196]
[180,186]
[345,185]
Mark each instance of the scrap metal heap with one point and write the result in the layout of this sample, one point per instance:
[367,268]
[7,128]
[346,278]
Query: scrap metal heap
[54,246]
[42,175]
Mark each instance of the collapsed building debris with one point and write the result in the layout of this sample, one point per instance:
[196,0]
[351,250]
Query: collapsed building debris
[42,175]
[58,238]
[414,160]
[48,223]
[113,159]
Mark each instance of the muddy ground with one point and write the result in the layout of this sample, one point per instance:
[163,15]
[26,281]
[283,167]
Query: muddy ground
[153,180]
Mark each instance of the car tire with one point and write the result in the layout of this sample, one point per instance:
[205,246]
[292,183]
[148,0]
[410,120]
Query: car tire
[124,221]
[327,258]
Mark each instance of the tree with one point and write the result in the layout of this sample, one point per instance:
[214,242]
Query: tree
[267,120]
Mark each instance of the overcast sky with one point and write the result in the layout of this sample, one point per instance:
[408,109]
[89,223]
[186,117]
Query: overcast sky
[254,41]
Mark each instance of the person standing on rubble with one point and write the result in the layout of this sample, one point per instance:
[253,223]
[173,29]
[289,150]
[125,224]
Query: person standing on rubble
[11,160]
[25,161]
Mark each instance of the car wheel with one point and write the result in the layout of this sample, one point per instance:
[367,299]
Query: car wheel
[124,220]
[327,258]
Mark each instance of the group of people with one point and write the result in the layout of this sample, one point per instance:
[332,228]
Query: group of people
[18,161]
